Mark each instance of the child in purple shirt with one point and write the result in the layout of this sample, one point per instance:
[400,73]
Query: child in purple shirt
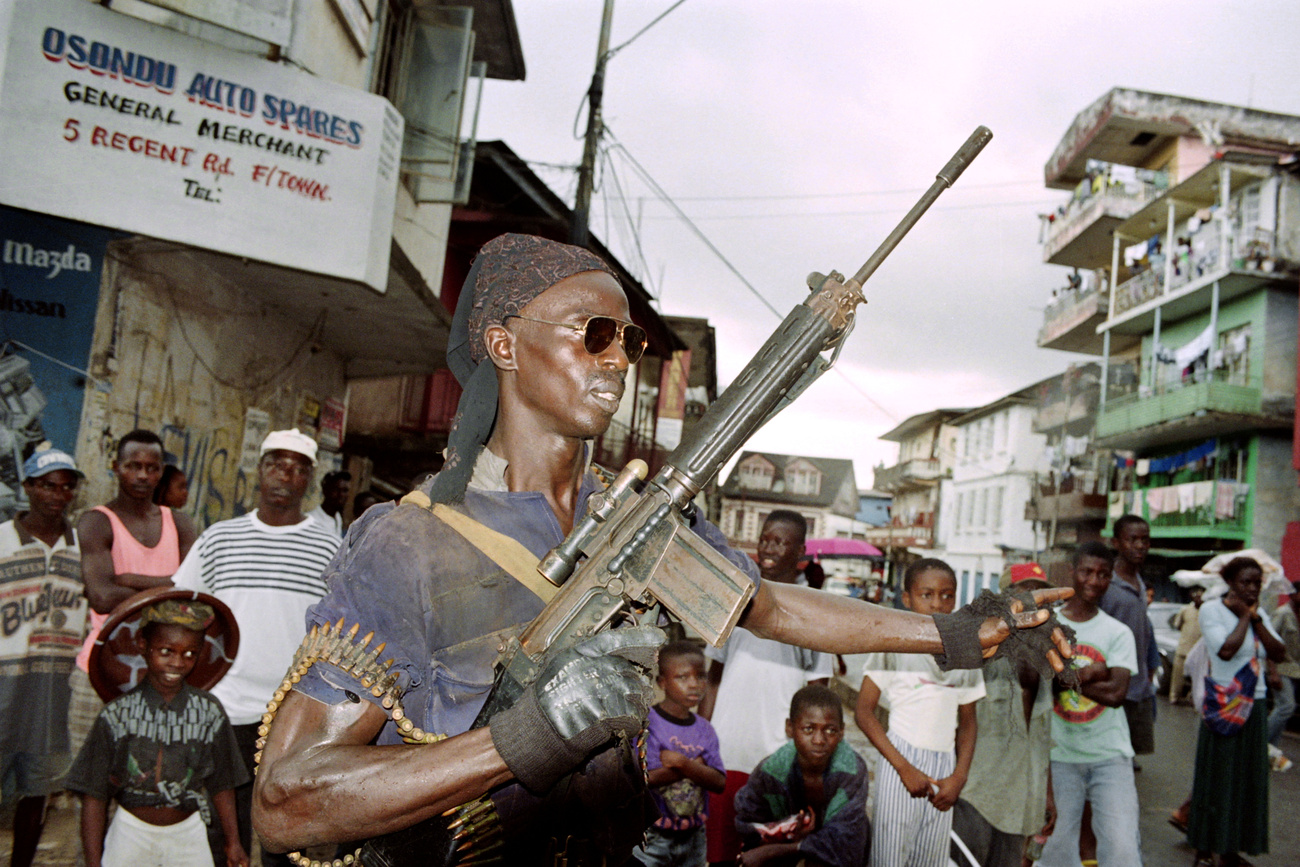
[682,761]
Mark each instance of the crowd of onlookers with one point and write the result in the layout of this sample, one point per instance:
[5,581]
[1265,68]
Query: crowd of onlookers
[1004,766]
[745,755]
[176,761]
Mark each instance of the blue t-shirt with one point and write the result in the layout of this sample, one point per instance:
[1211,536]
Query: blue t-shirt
[681,804]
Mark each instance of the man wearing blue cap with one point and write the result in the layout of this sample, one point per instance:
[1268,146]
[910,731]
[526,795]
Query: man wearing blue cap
[42,617]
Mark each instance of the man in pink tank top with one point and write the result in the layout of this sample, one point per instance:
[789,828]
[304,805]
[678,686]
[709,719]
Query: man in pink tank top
[127,545]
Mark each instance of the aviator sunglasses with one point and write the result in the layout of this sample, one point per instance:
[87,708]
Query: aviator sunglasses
[598,332]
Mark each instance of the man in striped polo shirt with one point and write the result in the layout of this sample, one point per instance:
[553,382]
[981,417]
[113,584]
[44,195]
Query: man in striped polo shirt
[267,566]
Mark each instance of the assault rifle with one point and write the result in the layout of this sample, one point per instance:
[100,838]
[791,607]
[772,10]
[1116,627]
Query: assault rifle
[634,552]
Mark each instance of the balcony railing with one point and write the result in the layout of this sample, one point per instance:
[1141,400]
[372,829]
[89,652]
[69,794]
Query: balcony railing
[1195,396]
[1066,507]
[916,471]
[1071,310]
[1093,200]
[900,536]
[1218,504]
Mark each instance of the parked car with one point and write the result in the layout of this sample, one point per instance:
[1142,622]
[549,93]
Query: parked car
[1162,615]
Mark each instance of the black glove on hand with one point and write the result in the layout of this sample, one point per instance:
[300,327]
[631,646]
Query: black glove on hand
[960,634]
[580,699]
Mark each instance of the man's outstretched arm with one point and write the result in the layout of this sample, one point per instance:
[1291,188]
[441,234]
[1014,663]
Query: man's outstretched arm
[837,624]
[319,776]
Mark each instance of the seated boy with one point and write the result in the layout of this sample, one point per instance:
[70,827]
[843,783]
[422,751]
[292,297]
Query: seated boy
[161,750]
[930,712]
[682,761]
[808,800]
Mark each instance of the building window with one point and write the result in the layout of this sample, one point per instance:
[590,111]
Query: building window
[1234,355]
[756,475]
[424,66]
[803,479]
[995,510]
[981,509]
[958,524]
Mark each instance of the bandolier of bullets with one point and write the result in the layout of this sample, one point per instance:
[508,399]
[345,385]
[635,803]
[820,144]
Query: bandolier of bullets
[475,825]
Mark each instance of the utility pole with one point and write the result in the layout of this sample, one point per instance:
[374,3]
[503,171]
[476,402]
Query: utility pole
[578,233]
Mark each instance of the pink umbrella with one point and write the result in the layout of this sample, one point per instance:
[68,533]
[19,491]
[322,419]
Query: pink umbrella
[841,548]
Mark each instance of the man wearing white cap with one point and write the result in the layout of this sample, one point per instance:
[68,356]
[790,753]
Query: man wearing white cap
[267,567]
[41,623]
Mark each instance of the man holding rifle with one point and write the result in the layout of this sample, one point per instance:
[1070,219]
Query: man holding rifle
[542,342]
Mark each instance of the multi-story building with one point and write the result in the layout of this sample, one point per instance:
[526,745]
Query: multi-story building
[998,459]
[1067,502]
[927,446]
[1187,215]
[823,490]
[873,508]
[216,216]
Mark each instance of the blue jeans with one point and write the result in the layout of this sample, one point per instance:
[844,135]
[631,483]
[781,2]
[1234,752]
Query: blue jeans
[673,848]
[1109,787]
[1283,707]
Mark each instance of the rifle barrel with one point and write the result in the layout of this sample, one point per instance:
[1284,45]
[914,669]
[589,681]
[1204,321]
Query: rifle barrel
[945,179]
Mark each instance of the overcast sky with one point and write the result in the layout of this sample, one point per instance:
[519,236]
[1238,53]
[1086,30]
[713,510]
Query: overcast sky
[796,135]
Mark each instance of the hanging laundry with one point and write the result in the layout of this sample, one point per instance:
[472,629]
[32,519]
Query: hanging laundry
[1194,348]
[1143,467]
[1075,446]
[1160,501]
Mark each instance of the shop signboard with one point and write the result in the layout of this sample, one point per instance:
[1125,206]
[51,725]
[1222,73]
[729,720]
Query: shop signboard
[110,120]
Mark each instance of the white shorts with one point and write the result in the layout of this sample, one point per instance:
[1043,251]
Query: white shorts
[133,842]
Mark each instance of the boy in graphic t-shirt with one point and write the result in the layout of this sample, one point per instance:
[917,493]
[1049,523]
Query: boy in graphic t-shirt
[1092,759]
[166,753]
[682,761]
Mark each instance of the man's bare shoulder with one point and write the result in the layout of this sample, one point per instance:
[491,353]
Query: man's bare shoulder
[94,527]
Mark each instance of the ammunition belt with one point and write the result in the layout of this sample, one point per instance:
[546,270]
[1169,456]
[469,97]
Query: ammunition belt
[473,828]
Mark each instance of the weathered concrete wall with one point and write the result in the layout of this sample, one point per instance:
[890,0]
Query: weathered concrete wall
[1277,495]
[186,354]
[1279,340]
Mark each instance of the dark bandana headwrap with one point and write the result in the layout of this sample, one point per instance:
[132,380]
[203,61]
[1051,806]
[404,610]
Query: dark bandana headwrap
[509,271]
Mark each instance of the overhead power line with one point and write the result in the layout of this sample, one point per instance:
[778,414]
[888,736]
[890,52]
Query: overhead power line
[640,170]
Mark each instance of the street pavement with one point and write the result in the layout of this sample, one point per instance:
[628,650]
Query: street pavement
[1164,781]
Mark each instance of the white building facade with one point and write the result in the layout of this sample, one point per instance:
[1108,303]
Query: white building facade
[983,503]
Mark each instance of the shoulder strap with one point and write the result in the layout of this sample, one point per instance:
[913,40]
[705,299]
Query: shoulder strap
[509,554]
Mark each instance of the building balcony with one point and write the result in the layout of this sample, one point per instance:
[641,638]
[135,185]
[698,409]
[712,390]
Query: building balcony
[913,473]
[1217,508]
[1192,246]
[1195,410]
[1080,235]
[1070,321]
[918,533]
[1065,508]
